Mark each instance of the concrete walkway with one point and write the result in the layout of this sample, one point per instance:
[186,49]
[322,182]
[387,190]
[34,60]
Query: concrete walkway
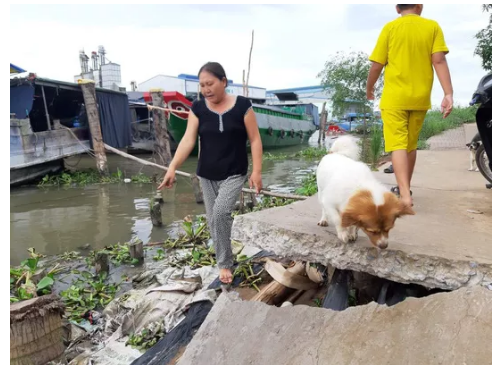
[446,328]
[447,244]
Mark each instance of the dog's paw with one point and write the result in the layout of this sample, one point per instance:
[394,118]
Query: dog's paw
[343,236]
[323,223]
[470,169]
[477,170]
[353,234]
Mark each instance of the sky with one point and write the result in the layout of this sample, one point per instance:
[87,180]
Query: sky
[292,42]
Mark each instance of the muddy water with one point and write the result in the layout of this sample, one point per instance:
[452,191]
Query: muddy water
[56,220]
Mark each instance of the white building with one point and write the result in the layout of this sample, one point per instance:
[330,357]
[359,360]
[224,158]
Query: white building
[309,94]
[188,85]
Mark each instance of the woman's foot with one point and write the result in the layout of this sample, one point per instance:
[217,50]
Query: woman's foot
[407,200]
[225,276]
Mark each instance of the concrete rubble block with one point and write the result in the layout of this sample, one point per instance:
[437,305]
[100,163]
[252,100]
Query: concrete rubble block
[445,328]
[436,248]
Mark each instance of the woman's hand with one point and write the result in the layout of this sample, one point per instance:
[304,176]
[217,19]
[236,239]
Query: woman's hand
[255,180]
[168,180]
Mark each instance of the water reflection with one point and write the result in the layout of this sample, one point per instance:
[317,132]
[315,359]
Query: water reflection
[55,220]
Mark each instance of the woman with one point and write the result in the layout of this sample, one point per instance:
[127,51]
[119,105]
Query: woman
[223,122]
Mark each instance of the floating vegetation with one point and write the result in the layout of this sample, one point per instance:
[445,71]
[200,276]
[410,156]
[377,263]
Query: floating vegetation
[90,176]
[28,280]
[308,185]
[87,293]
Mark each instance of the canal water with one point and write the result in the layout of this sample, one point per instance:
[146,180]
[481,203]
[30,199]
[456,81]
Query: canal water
[59,219]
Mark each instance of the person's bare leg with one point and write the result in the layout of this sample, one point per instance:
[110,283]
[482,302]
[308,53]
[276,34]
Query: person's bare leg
[401,171]
[411,160]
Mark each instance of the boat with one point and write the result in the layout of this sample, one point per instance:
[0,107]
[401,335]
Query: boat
[278,127]
[48,123]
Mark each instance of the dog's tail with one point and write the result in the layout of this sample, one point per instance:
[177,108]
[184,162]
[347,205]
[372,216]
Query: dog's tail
[346,146]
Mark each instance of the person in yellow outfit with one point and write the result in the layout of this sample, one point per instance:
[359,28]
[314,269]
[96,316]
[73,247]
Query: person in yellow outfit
[409,48]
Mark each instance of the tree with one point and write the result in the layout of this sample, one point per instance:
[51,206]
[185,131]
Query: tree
[346,74]
[483,48]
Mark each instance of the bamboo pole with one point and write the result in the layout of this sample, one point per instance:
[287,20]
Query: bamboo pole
[193,176]
[151,107]
[249,61]
[48,124]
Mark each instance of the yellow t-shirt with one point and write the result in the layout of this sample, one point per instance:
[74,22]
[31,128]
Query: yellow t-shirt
[405,46]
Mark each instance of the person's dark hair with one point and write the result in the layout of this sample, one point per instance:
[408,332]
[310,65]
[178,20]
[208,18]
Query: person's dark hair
[214,68]
[406,6]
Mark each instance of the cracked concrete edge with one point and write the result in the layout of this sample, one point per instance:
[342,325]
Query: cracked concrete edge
[223,301]
[229,305]
[395,265]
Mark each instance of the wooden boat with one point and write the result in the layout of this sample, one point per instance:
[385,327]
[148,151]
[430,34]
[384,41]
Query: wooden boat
[278,127]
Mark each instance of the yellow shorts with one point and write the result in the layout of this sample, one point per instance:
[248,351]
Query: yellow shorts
[401,129]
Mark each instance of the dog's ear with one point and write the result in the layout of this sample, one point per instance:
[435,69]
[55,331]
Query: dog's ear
[349,218]
[404,210]
[360,206]
[393,206]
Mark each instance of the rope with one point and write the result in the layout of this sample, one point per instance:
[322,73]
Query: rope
[79,141]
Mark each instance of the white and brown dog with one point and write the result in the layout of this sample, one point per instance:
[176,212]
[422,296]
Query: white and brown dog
[473,147]
[352,198]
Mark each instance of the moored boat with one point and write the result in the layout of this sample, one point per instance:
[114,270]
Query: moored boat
[278,127]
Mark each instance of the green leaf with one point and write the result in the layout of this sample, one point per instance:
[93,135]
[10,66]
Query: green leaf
[32,263]
[86,275]
[44,283]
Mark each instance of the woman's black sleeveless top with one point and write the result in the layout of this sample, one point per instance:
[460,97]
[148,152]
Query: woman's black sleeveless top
[223,137]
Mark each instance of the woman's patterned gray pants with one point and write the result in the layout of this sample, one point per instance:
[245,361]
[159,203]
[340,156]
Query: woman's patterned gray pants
[219,199]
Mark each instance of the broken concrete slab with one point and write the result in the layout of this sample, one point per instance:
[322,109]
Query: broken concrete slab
[442,246]
[446,328]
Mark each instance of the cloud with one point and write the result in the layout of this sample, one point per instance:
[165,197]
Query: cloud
[292,42]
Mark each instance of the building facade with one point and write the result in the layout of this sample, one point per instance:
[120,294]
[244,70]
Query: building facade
[188,85]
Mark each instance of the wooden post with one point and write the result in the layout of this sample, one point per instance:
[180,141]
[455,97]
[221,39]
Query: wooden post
[136,249]
[242,203]
[197,190]
[253,198]
[36,331]
[102,264]
[322,124]
[161,141]
[156,216]
[89,93]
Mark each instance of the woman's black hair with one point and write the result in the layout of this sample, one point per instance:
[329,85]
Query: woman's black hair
[215,69]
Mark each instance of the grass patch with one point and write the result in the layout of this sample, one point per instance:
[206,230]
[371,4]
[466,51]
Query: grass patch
[435,124]
[91,176]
